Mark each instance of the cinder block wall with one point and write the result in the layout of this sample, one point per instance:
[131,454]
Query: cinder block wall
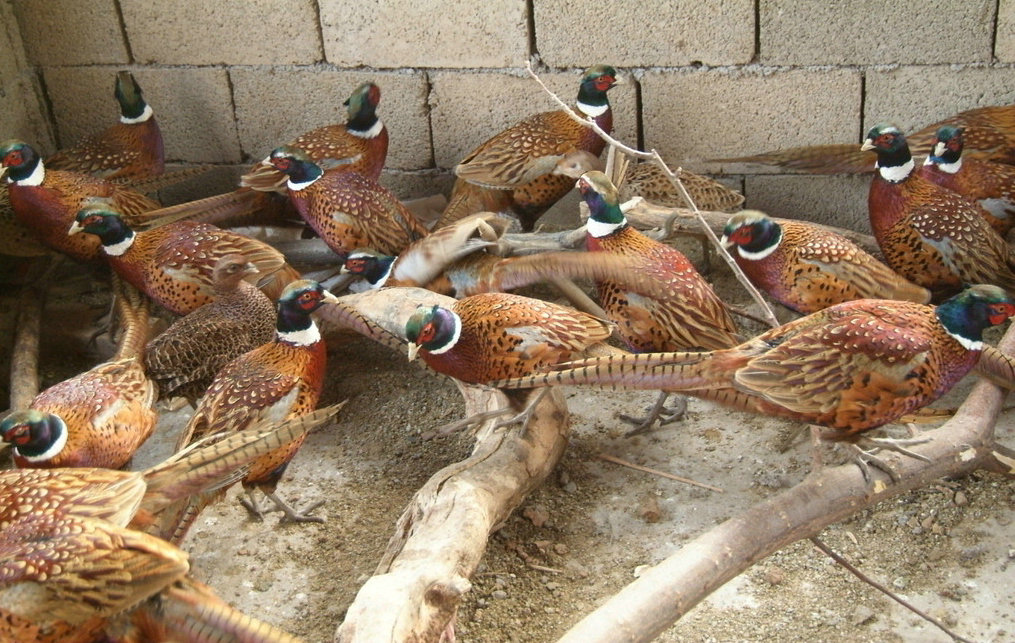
[229,80]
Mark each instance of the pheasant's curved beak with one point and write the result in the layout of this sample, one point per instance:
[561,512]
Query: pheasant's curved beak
[329,298]
[725,242]
[74,228]
[3,171]
[867,145]
[413,349]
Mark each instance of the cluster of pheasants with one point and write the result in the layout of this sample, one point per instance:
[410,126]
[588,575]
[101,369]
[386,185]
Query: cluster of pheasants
[83,545]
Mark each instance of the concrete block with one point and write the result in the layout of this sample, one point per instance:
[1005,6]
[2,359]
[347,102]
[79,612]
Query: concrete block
[21,110]
[252,32]
[570,33]
[833,200]
[193,106]
[699,115]
[1004,45]
[275,105]
[467,109]
[417,184]
[866,33]
[408,33]
[914,97]
[71,32]
[217,180]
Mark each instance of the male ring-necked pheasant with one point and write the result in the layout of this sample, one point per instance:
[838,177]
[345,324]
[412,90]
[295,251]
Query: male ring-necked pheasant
[514,170]
[173,264]
[806,268]
[184,358]
[46,201]
[98,418]
[850,367]
[989,183]
[362,138]
[930,235]
[283,377]
[346,209]
[129,149]
[76,564]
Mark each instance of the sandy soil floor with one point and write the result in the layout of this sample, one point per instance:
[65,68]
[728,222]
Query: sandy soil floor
[949,548]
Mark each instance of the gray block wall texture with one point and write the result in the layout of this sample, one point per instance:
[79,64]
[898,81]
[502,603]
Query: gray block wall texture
[232,79]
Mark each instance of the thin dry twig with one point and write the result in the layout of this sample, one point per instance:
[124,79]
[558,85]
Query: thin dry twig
[671,476]
[884,589]
[654,156]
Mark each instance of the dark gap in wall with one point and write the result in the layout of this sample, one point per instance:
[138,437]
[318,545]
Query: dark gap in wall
[245,156]
[530,26]
[50,115]
[993,32]
[428,91]
[757,32]
[320,30]
[863,103]
[638,117]
[123,30]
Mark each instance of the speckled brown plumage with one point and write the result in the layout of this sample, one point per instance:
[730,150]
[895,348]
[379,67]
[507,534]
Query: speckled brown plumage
[990,135]
[48,209]
[347,210]
[807,268]
[185,357]
[98,418]
[502,335]
[173,264]
[989,183]
[282,378]
[932,236]
[681,312]
[521,159]
[74,561]
[851,367]
[363,137]
[129,149]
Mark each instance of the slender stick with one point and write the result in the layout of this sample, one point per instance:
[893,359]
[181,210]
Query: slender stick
[883,589]
[638,467]
[654,156]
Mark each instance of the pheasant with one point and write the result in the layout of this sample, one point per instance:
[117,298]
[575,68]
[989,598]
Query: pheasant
[283,377]
[75,561]
[930,235]
[520,160]
[185,357]
[96,419]
[493,336]
[346,209]
[46,201]
[173,263]
[990,184]
[990,135]
[130,149]
[850,367]
[683,313]
[807,268]
[363,138]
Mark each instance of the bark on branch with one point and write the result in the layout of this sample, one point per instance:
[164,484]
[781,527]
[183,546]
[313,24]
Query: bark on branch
[666,592]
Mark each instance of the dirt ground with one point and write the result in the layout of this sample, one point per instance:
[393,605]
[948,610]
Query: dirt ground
[587,532]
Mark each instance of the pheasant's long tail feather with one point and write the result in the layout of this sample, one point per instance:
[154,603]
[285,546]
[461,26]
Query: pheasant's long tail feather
[843,158]
[680,371]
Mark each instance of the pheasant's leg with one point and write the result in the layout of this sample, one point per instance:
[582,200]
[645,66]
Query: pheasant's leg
[477,419]
[897,444]
[290,514]
[250,502]
[659,412]
[817,462]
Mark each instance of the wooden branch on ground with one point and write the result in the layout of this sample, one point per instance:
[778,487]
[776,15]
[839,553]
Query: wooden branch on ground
[664,593]
[442,534]
[25,352]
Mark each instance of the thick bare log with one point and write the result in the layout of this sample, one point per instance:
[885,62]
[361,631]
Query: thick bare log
[442,534]
[669,590]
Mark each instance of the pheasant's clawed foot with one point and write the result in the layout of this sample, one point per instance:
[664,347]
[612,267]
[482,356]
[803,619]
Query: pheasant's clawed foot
[865,460]
[251,504]
[476,420]
[291,515]
[659,413]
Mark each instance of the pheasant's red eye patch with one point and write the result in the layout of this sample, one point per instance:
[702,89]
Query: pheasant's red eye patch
[13,158]
[18,434]
[281,163]
[427,333]
[355,265]
[741,235]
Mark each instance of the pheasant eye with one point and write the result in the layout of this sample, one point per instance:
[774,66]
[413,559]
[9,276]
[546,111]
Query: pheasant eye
[427,333]
[14,158]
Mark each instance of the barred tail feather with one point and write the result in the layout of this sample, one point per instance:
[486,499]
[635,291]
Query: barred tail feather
[681,371]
